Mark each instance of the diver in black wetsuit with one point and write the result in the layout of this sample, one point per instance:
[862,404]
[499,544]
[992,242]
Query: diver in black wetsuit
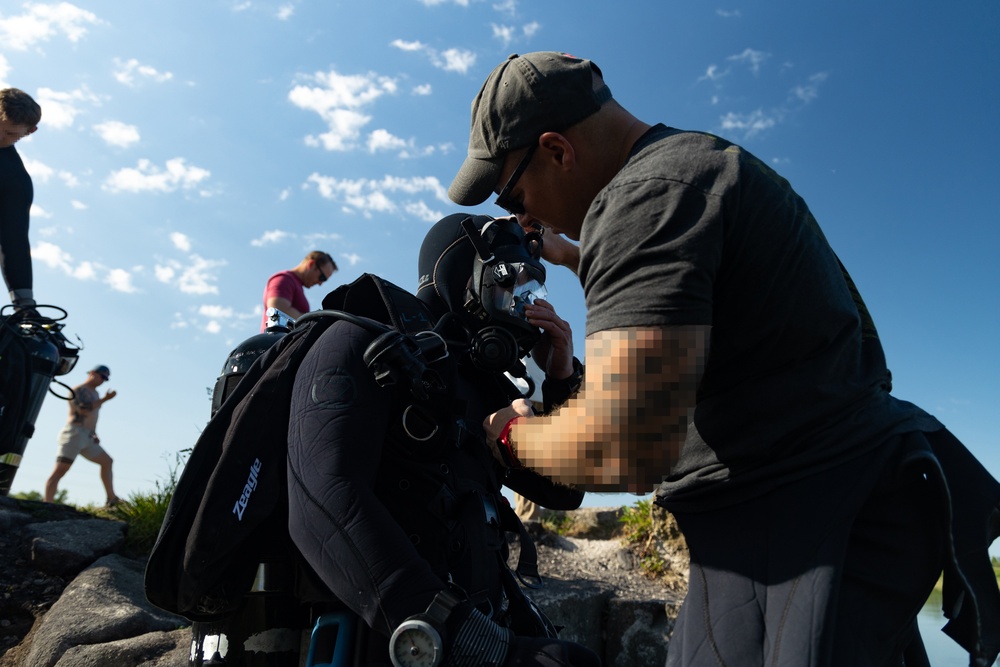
[19,117]
[395,502]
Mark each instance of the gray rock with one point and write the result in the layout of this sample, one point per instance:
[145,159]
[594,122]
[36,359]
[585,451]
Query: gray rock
[154,649]
[103,618]
[12,518]
[577,607]
[637,632]
[66,547]
[105,603]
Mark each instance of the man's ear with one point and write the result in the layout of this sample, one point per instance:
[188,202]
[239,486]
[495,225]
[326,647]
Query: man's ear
[32,130]
[558,148]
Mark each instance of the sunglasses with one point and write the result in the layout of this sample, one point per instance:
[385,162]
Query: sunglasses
[322,276]
[503,199]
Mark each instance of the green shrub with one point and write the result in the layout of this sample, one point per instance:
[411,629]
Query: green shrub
[637,521]
[559,523]
[637,531]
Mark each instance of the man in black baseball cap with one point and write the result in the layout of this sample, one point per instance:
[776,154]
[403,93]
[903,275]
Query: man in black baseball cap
[524,97]
[800,483]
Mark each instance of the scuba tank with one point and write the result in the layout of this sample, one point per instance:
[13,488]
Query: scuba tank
[33,351]
[269,612]
[243,355]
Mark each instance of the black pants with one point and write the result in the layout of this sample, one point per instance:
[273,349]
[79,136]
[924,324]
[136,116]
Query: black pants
[829,571]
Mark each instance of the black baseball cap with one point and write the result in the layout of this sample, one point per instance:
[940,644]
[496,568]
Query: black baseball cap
[524,97]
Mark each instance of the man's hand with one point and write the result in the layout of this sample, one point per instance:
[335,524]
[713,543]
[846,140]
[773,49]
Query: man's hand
[559,250]
[495,422]
[554,351]
[111,393]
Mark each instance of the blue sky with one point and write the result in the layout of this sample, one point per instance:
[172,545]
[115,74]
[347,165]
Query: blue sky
[189,149]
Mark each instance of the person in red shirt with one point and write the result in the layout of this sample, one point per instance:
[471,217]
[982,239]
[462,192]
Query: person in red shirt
[286,289]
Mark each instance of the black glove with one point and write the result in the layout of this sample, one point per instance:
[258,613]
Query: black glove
[476,641]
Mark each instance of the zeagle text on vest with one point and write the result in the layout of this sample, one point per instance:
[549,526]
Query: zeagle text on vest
[251,484]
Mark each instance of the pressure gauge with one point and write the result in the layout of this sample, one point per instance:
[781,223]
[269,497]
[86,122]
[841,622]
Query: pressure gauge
[415,643]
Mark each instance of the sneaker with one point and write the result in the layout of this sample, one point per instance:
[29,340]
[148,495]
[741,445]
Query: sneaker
[114,501]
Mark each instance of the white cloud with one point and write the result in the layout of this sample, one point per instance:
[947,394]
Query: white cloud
[423,89]
[748,124]
[403,45]
[42,173]
[504,33]
[531,29]
[216,312]
[117,133]
[285,12]
[197,277]
[319,238]
[270,238]
[381,140]
[55,257]
[285,194]
[52,256]
[38,212]
[214,318]
[164,273]
[455,60]
[421,210]
[120,280]
[78,205]
[728,13]
[713,73]
[181,241]
[39,170]
[433,3]
[85,271]
[337,99]
[370,196]
[449,60]
[126,72]
[4,72]
[40,23]
[146,177]
[60,109]
[752,58]
[353,259]
[810,91]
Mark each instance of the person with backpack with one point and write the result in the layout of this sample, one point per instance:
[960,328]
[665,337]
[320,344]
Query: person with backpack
[394,497]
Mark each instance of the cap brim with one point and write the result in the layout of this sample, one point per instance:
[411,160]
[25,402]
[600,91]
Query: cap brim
[476,181]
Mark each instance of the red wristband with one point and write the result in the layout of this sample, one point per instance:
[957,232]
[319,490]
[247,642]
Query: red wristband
[506,447]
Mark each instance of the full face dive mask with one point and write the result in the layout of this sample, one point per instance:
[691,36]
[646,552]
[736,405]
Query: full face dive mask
[507,274]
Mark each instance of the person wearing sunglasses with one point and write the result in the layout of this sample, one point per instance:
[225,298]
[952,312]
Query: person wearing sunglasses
[286,289]
[733,368]
[79,436]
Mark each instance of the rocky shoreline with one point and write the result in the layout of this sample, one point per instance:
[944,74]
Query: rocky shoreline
[71,597]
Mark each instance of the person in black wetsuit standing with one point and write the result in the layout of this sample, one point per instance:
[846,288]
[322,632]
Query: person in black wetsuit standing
[394,501]
[19,117]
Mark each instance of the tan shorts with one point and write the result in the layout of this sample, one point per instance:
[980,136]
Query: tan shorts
[73,441]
